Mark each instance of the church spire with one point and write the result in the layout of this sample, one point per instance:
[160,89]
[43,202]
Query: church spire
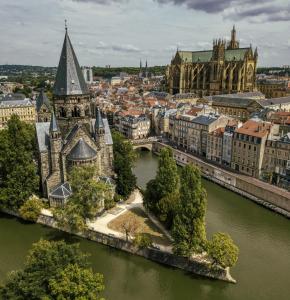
[233,44]
[53,127]
[69,77]
[99,124]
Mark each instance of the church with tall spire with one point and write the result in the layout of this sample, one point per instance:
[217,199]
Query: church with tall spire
[75,134]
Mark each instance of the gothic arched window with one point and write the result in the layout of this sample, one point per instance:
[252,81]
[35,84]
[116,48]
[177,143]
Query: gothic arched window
[62,112]
[76,113]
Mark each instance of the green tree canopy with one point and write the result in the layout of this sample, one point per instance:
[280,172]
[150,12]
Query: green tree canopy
[189,223]
[161,195]
[48,263]
[18,171]
[124,157]
[77,283]
[31,209]
[222,250]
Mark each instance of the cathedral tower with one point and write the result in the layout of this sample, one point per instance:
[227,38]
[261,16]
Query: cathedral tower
[71,97]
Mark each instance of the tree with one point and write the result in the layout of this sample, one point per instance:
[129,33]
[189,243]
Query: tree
[87,199]
[124,157]
[158,191]
[143,240]
[189,223]
[88,193]
[31,209]
[130,225]
[75,282]
[222,250]
[18,171]
[167,208]
[69,218]
[48,263]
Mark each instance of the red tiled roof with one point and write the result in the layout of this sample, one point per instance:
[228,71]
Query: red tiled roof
[253,128]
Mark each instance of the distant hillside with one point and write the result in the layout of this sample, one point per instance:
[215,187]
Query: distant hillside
[110,72]
[16,70]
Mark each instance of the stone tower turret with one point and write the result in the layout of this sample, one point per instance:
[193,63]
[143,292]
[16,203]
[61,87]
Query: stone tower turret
[55,144]
[99,129]
[233,43]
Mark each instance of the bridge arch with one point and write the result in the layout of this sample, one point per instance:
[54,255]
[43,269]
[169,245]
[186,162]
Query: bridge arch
[143,147]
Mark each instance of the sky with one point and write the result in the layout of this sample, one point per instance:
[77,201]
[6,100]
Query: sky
[121,32]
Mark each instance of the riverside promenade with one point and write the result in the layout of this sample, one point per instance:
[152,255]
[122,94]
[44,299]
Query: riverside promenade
[265,194]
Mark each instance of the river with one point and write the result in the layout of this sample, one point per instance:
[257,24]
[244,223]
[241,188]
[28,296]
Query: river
[262,271]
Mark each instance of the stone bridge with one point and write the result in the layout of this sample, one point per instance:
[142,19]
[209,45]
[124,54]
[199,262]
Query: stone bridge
[144,143]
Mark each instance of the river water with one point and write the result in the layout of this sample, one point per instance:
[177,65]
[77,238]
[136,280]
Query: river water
[262,272]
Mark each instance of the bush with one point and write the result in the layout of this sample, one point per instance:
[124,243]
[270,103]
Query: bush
[31,209]
[222,250]
[143,240]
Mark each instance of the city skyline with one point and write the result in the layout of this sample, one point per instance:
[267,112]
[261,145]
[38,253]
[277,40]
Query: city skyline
[116,32]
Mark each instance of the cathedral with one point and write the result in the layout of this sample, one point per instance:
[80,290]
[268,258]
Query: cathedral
[70,133]
[225,69]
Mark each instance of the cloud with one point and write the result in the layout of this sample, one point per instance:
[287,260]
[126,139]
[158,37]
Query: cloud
[126,48]
[103,2]
[267,10]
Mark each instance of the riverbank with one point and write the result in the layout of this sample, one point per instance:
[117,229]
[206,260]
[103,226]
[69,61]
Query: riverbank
[262,193]
[101,234]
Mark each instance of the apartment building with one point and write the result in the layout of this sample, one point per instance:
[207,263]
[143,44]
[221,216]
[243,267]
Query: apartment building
[276,161]
[190,132]
[214,149]
[249,142]
[23,108]
[134,127]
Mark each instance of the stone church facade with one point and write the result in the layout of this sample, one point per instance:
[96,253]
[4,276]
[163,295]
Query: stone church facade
[76,133]
[225,69]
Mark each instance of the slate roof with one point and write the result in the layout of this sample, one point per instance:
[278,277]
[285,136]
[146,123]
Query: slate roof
[205,56]
[99,121]
[82,151]
[13,96]
[274,101]
[53,127]
[108,136]
[42,134]
[205,120]
[69,77]
[42,100]
[16,103]
[61,191]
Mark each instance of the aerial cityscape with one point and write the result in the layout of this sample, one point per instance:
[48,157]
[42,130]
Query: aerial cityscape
[145,150]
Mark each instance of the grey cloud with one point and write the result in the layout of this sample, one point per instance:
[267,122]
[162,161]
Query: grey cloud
[126,48]
[237,9]
[103,2]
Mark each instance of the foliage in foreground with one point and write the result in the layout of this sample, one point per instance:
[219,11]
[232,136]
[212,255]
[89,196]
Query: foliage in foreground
[54,270]
[31,209]
[222,250]
[18,170]
[124,157]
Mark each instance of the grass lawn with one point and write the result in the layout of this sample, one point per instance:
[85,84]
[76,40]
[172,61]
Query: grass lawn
[145,225]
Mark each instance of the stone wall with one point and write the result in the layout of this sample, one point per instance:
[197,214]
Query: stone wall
[265,194]
[195,266]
